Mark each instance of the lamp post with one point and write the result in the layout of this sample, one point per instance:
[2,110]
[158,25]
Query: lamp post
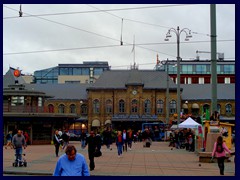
[188,35]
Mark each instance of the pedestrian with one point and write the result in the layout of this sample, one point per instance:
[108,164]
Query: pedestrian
[130,138]
[119,143]
[124,135]
[83,138]
[19,143]
[92,145]
[71,164]
[107,135]
[156,133]
[98,141]
[65,137]
[9,140]
[219,149]
[26,137]
[56,142]
[176,139]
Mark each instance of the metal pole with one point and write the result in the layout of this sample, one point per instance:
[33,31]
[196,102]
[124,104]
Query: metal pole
[178,77]
[213,57]
[167,103]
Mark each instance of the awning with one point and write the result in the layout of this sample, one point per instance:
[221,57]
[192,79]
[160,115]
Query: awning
[185,106]
[95,123]
[174,127]
[195,106]
[108,122]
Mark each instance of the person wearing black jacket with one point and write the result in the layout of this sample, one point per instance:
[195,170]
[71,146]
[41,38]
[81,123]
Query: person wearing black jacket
[92,145]
[56,142]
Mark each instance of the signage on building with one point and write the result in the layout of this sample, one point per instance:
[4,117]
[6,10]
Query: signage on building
[16,73]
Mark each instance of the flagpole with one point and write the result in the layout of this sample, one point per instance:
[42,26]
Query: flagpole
[134,50]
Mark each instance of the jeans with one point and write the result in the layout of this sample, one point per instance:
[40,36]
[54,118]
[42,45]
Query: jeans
[119,147]
[125,145]
[18,152]
[83,142]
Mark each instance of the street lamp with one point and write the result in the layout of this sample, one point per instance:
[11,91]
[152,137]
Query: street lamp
[188,35]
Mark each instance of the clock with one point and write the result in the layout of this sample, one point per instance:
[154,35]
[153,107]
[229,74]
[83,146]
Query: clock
[134,92]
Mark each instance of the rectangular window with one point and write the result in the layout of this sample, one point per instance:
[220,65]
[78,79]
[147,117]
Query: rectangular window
[228,69]
[201,69]
[201,80]
[72,82]
[187,69]
[85,71]
[63,71]
[77,71]
[189,80]
[227,80]
[97,71]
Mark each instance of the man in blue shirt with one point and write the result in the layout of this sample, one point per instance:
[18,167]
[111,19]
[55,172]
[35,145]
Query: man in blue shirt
[71,164]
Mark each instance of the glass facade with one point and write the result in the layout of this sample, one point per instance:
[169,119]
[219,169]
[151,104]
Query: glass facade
[46,76]
[195,68]
[50,75]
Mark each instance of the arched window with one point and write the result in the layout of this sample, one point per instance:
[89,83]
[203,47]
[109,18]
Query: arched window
[84,109]
[61,108]
[96,106]
[108,106]
[147,106]
[72,108]
[228,109]
[206,108]
[50,108]
[121,106]
[159,107]
[172,107]
[134,106]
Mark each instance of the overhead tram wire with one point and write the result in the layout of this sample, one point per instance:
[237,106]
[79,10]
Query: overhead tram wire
[107,10]
[84,31]
[109,46]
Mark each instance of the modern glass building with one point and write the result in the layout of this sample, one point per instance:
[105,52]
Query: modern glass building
[199,71]
[87,72]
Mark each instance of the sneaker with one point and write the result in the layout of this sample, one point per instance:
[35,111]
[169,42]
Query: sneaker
[119,156]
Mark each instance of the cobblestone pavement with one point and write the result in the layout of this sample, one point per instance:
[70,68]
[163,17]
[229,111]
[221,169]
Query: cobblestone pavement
[158,160]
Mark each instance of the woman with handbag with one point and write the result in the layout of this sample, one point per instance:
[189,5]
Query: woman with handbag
[219,152]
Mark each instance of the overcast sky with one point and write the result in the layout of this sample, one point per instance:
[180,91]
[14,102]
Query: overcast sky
[51,34]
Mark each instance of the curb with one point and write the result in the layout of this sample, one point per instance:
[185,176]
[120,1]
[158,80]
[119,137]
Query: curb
[28,173]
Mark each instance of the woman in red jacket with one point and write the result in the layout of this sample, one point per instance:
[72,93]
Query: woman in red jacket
[219,152]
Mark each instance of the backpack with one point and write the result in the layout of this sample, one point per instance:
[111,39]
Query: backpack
[219,148]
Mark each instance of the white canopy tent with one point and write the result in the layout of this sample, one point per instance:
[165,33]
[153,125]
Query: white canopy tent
[189,123]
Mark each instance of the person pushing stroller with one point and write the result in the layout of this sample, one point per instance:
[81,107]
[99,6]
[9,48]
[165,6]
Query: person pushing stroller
[19,143]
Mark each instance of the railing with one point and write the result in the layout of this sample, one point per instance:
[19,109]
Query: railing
[23,109]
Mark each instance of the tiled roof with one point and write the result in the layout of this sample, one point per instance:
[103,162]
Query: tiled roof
[203,91]
[62,91]
[119,79]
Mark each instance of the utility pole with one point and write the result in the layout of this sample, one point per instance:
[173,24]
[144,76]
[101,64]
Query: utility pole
[213,57]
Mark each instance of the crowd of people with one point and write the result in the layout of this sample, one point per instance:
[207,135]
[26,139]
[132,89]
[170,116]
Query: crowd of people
[183,138]
[123,139]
